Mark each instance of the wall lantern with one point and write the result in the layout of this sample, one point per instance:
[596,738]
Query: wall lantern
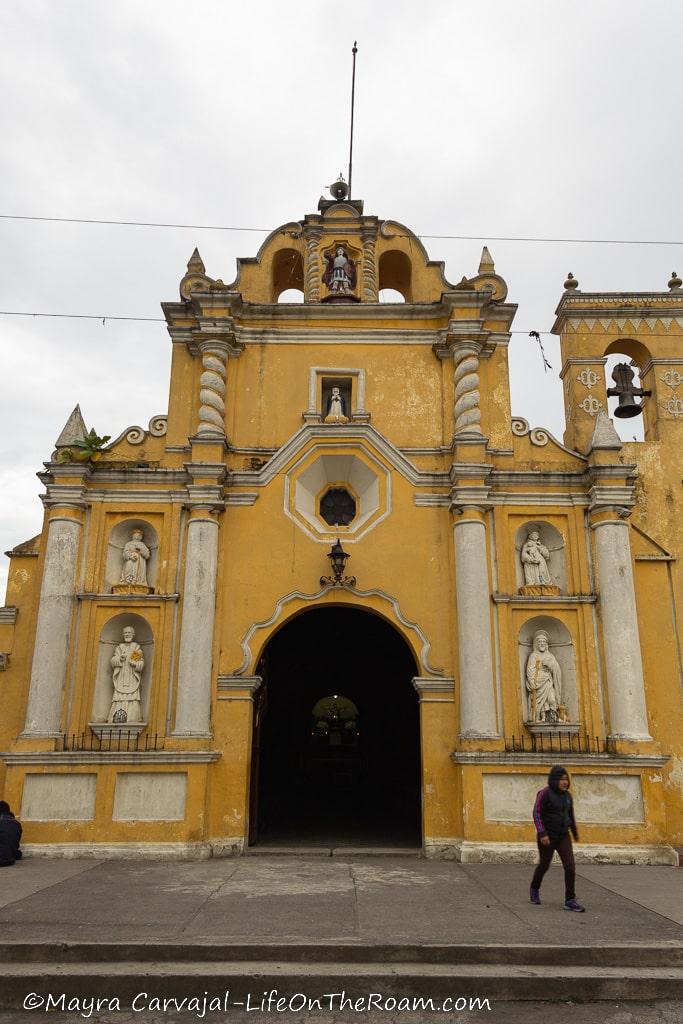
[622,375]
[338,558]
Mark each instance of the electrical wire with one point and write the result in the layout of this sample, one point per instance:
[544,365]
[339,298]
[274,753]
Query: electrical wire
[265,231]
[160,320]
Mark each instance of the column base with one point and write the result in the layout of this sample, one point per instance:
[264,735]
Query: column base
[625,743]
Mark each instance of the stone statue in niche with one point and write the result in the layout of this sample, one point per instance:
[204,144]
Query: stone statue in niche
[544,683]
[336,408]
[534,557]
[340,273]
[136,554]
[127,665]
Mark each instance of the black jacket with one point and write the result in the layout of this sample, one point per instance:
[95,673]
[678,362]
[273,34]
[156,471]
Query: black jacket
[10,836]
[554,813]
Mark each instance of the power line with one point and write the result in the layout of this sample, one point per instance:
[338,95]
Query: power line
[131,223]
[265,231]
[85,316]
[103,317]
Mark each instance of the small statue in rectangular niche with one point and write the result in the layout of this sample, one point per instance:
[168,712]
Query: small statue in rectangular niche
[127,665]
[336,408]
[534,556]
[544,683]
[134,569]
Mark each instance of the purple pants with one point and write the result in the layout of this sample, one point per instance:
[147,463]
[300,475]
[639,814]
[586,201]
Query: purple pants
[563,845]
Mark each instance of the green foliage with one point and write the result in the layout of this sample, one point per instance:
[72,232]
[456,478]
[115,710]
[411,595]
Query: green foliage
[89,449]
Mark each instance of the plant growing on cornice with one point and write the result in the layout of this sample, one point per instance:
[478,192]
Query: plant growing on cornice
[88,449]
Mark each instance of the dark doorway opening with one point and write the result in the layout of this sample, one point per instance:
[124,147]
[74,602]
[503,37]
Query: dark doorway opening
[336,755]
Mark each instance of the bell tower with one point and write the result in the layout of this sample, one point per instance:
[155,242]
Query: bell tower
[647,329]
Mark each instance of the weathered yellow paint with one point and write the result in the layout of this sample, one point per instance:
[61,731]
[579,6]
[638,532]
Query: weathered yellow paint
[267,559]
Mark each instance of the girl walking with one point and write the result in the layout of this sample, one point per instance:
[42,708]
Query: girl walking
[554,820]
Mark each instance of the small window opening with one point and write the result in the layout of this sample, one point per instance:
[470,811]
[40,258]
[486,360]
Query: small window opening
[338,507]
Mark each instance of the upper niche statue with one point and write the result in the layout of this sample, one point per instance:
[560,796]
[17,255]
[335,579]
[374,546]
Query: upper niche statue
[340,272]
[135,556]
[534,556]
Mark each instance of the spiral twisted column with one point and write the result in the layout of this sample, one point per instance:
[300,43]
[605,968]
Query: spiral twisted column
[313,277]
[212,388]
[466,411]
[370,286]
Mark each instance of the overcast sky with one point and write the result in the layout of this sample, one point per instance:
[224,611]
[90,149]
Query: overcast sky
[532,118]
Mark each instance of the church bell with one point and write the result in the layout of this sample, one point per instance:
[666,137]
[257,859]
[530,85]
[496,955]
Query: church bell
[622,375]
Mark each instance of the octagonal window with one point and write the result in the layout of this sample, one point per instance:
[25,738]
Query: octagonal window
[338,506]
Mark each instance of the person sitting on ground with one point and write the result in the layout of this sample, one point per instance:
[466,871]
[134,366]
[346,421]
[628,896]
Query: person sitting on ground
[10,836]
[554,820]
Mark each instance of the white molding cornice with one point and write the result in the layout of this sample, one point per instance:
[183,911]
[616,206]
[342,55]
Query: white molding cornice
[73,757]
[501,757]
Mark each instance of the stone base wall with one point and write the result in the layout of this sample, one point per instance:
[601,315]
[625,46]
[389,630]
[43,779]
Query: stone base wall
[467,852]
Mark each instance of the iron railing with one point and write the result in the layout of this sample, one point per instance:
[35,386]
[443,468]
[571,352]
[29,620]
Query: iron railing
[116,740]
[557,743]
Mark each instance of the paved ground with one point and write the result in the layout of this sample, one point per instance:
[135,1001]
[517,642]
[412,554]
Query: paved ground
[357,899]
[368,899]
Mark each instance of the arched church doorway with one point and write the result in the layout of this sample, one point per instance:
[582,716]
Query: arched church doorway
[336,754]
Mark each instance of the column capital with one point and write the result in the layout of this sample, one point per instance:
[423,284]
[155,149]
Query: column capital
[214,335]
[612,488]
[65,486]
[206,492]
[470,486]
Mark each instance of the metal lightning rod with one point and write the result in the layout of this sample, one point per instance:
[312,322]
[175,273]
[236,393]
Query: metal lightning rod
[354,51]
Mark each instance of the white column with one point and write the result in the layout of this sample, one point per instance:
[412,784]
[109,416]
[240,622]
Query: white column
[193,704]
[477,690]
[621,639]
[53,628]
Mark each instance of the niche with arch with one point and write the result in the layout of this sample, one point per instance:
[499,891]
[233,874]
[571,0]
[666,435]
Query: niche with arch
[395,274]
[287,274]
[119,536]
[110,637]
[561,646]
[552,541]
[637,356]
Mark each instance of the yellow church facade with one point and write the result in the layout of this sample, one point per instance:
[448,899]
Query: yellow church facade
[338,594]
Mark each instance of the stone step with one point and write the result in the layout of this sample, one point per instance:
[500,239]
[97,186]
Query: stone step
[235,982]
[634,955]
[333,851]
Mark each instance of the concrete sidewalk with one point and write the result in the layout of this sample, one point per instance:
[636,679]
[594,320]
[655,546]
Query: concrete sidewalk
[362,923]
[361,899]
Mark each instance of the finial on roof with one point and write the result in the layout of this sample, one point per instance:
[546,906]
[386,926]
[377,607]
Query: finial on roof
[73,430]
[486,264]
[571,283]
[195,263]
[604,434]
[675,282]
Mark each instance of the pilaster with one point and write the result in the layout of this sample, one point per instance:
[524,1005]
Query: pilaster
[65,502]
[611,498]
[193,702]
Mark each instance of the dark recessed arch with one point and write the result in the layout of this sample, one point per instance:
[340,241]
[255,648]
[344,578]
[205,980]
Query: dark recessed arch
[314,782]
